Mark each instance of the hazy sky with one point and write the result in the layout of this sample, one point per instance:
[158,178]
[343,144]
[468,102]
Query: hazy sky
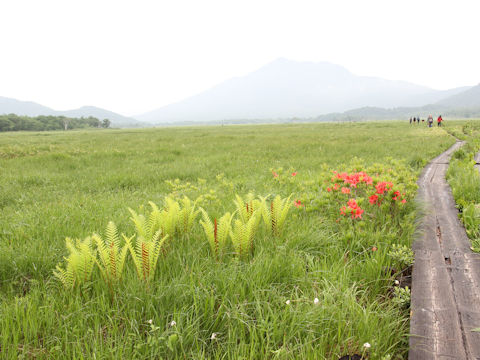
[135,56]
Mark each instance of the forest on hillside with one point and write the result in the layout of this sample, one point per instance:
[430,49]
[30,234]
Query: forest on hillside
[13,122]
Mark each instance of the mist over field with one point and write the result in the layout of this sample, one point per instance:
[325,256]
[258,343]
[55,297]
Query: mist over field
[287,89]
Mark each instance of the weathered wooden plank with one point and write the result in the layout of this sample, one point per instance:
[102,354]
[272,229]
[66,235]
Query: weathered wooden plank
[446,275]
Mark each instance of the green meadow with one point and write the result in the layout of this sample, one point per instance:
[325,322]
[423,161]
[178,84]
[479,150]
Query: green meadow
[464,178]
[320,288]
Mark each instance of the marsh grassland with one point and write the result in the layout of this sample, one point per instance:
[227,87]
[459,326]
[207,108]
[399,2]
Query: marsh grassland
[318,284]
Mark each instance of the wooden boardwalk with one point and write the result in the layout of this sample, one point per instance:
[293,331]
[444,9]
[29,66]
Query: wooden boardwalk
[446,275]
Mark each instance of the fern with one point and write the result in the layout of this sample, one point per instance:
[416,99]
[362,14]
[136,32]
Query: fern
[246,207]
[164,220]
[170,216]
[172,219]
[275,213]
[186,216]
[79,263]
[148,244]
[156,220]
[112,256]
[216,232]
[243,234]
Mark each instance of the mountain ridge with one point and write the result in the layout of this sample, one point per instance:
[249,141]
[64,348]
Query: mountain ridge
[286,88]
[466,104]
[30,108]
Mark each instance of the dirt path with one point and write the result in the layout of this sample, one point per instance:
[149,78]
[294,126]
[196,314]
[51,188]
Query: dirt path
[446,275]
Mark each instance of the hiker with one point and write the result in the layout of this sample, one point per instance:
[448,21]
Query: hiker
[414,120]
[410,120]
[439,120]
[430,120]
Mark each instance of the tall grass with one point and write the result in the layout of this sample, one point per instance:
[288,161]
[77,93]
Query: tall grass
[464,179]
[54,185]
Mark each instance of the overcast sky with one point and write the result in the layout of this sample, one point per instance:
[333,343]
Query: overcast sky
[135,56]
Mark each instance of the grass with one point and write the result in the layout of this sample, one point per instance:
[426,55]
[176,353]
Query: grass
[57,184]
[464,179]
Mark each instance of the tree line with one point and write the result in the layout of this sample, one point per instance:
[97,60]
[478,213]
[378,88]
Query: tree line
[13,122]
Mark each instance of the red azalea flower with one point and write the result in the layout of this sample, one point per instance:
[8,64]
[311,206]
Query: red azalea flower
[342,210]
[357,213]
[274,174]
[374,248]
[294,173]
[328,189]
[352,204]
[297,203]
[404,201]
[380,187]
[373,199]
[345,190]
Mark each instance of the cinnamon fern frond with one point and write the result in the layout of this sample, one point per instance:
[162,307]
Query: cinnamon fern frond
[216,231]
[186,216]
[275,213]
[164,220]
[246,207]
[169,217]
[112,256]
[79,263]
[147,248]
[243,234]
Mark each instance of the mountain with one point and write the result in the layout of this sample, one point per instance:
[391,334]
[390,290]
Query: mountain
[465,104]
[28,108]
[116,119]
[466,99]
[285,88]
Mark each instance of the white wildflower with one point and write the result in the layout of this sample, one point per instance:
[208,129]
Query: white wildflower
[214,336]
[367,345]
[397,282]
[287,302]
[150,321]
[173,323]
[316,301]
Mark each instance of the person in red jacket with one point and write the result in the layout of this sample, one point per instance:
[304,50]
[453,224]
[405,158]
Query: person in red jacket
[439,121]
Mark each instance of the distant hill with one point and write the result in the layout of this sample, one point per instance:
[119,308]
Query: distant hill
[285,88]
[28,108]
[466,99]
[116,119]
[466,104]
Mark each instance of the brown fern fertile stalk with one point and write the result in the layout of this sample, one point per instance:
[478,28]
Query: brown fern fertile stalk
[145,265]
[272,217]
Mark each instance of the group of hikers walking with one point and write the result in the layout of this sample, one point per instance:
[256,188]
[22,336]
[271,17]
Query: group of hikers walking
[416,119]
